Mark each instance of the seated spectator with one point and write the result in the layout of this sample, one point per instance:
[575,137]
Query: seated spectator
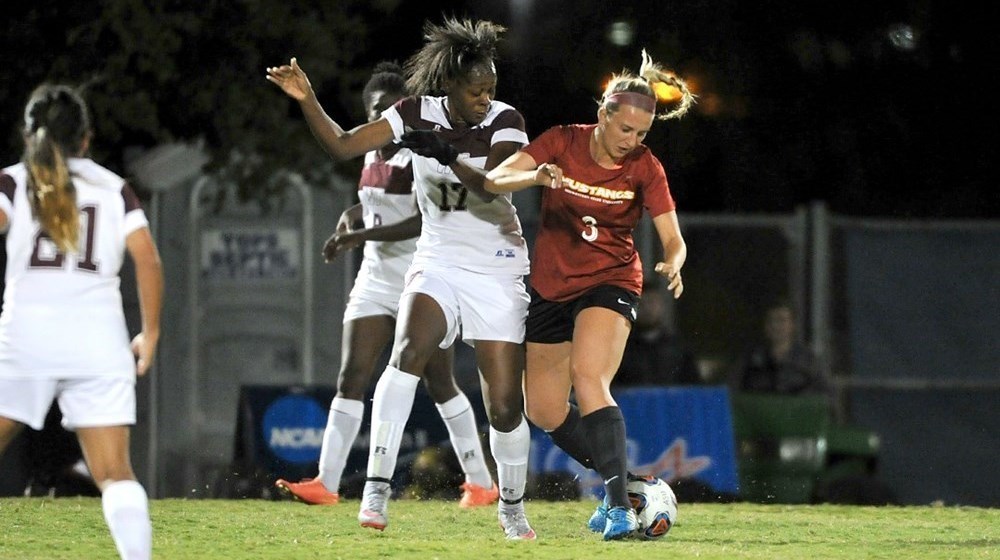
[782,364]
[653,353]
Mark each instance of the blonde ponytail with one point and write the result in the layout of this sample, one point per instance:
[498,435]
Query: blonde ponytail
[653,73]
[51,191]
[650,74]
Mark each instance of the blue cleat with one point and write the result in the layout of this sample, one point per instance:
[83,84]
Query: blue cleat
[621,523]
[600,517]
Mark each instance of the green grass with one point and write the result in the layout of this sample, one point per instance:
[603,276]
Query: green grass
[73,528]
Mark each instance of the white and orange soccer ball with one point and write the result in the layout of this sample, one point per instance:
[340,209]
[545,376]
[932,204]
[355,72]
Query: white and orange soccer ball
[655,506]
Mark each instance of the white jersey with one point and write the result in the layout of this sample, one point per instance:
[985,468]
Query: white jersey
[458,228]
[386,194]
[62,314]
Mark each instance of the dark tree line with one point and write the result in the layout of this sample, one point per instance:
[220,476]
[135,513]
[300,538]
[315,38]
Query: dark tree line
[167,70]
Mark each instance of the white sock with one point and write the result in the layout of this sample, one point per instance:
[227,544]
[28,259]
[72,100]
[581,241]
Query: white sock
[126,510]
[461,421]
[391,408]
[341,430]
[510,449]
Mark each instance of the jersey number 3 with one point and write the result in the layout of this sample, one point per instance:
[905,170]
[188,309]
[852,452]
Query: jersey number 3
[590,233]
[46,259]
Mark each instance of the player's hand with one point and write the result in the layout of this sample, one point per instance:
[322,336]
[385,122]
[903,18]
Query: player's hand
[549,174]
[345,224]
[429,144]
[144,348]
[291,79]
[671,272]
[341,242]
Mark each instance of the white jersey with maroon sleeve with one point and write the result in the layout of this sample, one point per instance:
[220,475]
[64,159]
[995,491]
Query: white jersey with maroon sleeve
[460,229]
[386,194]
[62,313]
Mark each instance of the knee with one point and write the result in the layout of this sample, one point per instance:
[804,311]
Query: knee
[411,357]
[505,412]
[353,382]
[547,416]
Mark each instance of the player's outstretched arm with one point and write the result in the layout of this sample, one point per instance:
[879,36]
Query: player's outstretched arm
[520,171]
[337,142]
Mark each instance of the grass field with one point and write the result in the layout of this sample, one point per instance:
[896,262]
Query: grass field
[73,528]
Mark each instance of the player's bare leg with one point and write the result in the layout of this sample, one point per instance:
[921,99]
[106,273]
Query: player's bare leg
[456,411]
[125,504]
[363,341]
[502,365]
[420,328]
[599,337]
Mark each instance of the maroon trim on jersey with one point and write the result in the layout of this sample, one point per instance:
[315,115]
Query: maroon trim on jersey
[409,110]
[507,119]
[131,200]
[7,186]
[383,175]
[475,141]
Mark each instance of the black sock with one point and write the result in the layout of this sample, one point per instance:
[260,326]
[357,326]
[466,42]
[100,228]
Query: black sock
[605,429]
[570,437]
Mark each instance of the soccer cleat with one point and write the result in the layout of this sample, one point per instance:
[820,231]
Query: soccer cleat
[310,491]
[477,496]
[514,523]
[375,505]
[621,523]
[600,517]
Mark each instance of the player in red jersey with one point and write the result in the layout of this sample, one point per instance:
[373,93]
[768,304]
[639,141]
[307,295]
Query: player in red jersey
[586,292]
[68,223]
[467,271]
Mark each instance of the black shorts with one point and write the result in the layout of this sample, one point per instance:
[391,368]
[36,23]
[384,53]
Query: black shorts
[551,322]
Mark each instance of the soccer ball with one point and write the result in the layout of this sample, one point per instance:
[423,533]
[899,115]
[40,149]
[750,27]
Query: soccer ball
[655,506]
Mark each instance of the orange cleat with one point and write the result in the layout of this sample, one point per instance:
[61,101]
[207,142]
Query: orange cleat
[477,496]
[310,491]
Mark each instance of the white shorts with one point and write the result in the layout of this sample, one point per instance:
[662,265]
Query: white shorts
[85,402]
[359,307]
[483,306]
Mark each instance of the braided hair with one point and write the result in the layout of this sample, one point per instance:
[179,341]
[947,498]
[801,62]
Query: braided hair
[56,124]
[649,73]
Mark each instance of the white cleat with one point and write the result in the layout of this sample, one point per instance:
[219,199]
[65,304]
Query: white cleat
[514,523]
[375,505]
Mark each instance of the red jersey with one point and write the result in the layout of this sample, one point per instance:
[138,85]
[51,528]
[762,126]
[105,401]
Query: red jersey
[585,236]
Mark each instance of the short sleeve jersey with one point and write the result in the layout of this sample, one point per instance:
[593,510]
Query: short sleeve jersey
[386,194]
[585,235]
[62,314]
[458,228]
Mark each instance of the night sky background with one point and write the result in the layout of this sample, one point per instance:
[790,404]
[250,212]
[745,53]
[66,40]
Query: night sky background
[878,108]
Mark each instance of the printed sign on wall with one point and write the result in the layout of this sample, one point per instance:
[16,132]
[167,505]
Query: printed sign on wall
[248,255]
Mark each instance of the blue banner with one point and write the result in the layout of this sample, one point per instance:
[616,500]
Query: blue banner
[280,430]
[673,433]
